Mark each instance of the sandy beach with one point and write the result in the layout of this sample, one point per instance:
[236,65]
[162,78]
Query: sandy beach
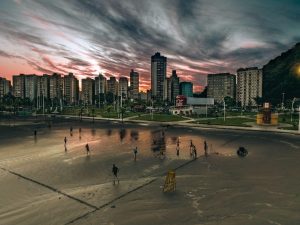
[41,183]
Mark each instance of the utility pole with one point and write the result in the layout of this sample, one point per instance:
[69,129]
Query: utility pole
[282,103]
[99,90]
[61,106]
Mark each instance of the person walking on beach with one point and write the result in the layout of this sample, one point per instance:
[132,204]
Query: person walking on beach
[35,133]
[80,133]
[194,152]
[65,140]
[177,147]
[191,147]
[205,149]
[71,130]
[87,148]
[115,171]
[135,151]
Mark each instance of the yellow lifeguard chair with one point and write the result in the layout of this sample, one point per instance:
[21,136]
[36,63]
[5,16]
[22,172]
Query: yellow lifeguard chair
[170,183]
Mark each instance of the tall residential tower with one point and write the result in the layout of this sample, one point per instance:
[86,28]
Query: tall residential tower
[134,84]
[71,89]
[249,85]
[221,85]
[158,75]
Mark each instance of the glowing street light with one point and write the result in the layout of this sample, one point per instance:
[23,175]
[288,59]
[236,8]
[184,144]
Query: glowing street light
[297,70]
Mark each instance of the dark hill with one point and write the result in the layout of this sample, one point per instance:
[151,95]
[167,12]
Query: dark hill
[282,75]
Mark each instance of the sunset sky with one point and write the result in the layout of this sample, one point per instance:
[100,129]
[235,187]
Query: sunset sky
[88,37]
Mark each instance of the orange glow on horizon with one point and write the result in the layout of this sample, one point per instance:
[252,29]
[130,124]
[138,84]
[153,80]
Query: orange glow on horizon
[10,67]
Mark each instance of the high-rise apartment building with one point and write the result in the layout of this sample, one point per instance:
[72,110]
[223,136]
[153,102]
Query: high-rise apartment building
[123,87]
[249,85]
[186,89]
[71,89]
[174,87]
[100,89]
[134,84]
[158,75]
[19,86]
[5,87]
[167,89]
[112,86]
[43,86]
[31,86]
[56,87]
[221,85]
[88,91]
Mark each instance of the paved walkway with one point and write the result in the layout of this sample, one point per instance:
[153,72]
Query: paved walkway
[187,123]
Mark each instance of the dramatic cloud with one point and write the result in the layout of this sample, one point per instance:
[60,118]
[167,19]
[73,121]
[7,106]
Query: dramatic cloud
[112,37]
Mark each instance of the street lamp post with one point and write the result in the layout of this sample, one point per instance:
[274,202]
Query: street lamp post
[292,110]
[224,109]
[152,111]
[121,107]
[99,92]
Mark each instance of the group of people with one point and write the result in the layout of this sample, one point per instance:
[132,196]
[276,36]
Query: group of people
[115,169]
[87,147]
[193,150]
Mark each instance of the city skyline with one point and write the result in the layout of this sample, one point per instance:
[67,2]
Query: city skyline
[92,37]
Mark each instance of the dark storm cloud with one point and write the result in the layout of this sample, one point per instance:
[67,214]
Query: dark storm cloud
[197,36]
[77,62]
[6,55]
[39,68]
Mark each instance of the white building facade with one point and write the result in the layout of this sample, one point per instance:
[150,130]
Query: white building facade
[249,85]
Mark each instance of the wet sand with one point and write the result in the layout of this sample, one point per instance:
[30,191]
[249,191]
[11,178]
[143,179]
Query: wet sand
[40,183]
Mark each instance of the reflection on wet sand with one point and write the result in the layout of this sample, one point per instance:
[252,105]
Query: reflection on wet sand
[174,140]
[93,131]
[122,134]
[134,135]
[158,144]
[108,132]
